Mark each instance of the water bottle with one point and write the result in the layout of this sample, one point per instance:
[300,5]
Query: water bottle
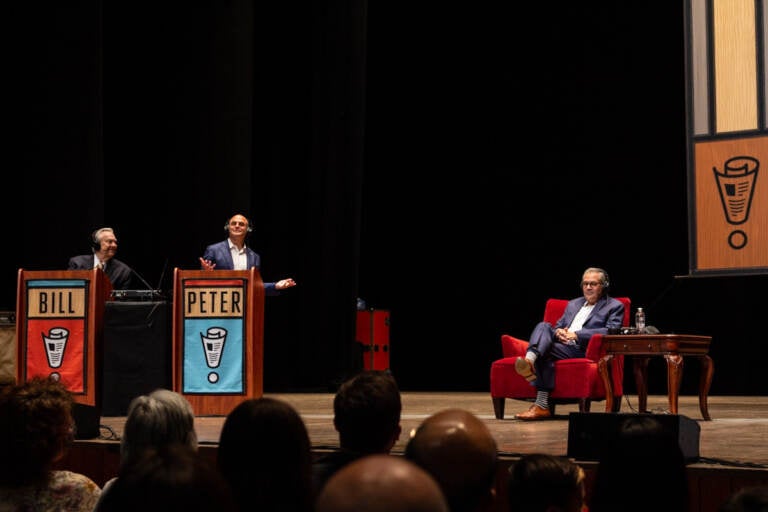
[640,320]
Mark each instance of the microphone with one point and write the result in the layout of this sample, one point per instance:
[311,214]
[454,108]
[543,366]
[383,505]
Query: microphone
[162,275]
[149,286]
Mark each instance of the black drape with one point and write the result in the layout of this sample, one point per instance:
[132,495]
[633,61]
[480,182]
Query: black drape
[455,165]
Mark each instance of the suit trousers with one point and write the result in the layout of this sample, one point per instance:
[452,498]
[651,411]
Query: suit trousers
[548,350]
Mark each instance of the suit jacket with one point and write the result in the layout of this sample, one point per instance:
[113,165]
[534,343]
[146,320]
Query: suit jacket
[608,312]
[119,274]
[220,254]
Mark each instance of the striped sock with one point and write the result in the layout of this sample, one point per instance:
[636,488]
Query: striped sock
[542,399]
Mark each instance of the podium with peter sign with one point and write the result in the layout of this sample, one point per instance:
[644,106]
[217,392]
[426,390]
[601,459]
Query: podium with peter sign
[218,329]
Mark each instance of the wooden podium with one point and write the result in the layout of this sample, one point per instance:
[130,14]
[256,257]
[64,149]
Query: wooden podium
[218,330]
[59,328]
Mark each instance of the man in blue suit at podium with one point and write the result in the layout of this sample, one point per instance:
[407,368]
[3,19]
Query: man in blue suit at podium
[233,254]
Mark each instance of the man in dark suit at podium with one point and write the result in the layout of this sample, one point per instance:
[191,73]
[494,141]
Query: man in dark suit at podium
[104,248]
[233,254]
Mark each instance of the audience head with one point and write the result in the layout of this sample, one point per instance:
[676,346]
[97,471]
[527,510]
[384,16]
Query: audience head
[265,454]
[747,499]
[459,451]
[367,410]
[159,418]
[643,455]
[37,428]
[167,477]
[540,482]
[381,483]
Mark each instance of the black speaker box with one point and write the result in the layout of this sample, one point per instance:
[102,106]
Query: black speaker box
[137,352]
[86,421]
[588,433]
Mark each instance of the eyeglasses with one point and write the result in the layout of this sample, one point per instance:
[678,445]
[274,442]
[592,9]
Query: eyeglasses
[591,283]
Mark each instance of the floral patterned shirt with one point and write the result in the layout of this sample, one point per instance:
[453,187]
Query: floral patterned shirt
[64,492]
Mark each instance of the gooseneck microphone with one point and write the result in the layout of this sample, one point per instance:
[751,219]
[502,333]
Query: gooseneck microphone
[149,286]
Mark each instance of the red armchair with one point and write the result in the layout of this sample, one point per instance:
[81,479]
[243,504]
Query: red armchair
[576,380]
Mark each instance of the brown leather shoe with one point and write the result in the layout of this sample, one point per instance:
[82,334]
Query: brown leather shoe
[534,413]
[525,369]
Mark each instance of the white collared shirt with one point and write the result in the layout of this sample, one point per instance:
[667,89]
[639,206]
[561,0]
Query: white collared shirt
[581,317]
[239,257]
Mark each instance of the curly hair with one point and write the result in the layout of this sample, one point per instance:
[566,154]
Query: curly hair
[37,426]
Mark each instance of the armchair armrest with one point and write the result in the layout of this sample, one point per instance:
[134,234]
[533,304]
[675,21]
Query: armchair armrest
[513,347]
[595,347]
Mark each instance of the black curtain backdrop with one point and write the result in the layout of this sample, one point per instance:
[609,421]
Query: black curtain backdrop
[455,165]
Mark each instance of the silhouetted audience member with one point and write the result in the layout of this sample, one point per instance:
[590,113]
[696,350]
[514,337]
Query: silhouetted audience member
[169,477]
[644,456]
[366,414]
[540,482]
[747,499]
[36,430]
[158,419]
[459,451]
[381,483]
[265,454]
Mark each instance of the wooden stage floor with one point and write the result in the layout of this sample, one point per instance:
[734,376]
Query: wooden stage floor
[737,435]
[733,451]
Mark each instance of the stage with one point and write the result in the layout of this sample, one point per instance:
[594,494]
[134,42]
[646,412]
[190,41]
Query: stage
[733,451]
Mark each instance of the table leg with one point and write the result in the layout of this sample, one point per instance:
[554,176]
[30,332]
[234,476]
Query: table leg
[640,367]
[602,369]
[674,372]
[707,370]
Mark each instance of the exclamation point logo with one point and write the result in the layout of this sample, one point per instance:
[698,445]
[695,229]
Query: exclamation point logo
[213,346]
[736,184]
[55,342]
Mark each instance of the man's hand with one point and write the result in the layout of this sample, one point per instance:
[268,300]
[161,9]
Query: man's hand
[285,283]
[565,336]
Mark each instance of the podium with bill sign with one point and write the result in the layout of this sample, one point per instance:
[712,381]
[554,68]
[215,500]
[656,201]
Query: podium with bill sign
[59,329]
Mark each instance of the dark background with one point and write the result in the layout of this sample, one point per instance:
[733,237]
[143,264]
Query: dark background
[456,165]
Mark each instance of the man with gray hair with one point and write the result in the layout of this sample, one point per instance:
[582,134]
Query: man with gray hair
[104,248]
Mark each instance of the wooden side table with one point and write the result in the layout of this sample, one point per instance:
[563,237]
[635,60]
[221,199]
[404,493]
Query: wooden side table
[673,347]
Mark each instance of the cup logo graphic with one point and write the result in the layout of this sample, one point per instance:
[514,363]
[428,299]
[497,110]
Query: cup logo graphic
[213,347]
[55,342]
[736,185]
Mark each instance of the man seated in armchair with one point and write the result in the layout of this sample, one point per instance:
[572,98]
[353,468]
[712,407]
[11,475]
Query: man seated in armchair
[593,313]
